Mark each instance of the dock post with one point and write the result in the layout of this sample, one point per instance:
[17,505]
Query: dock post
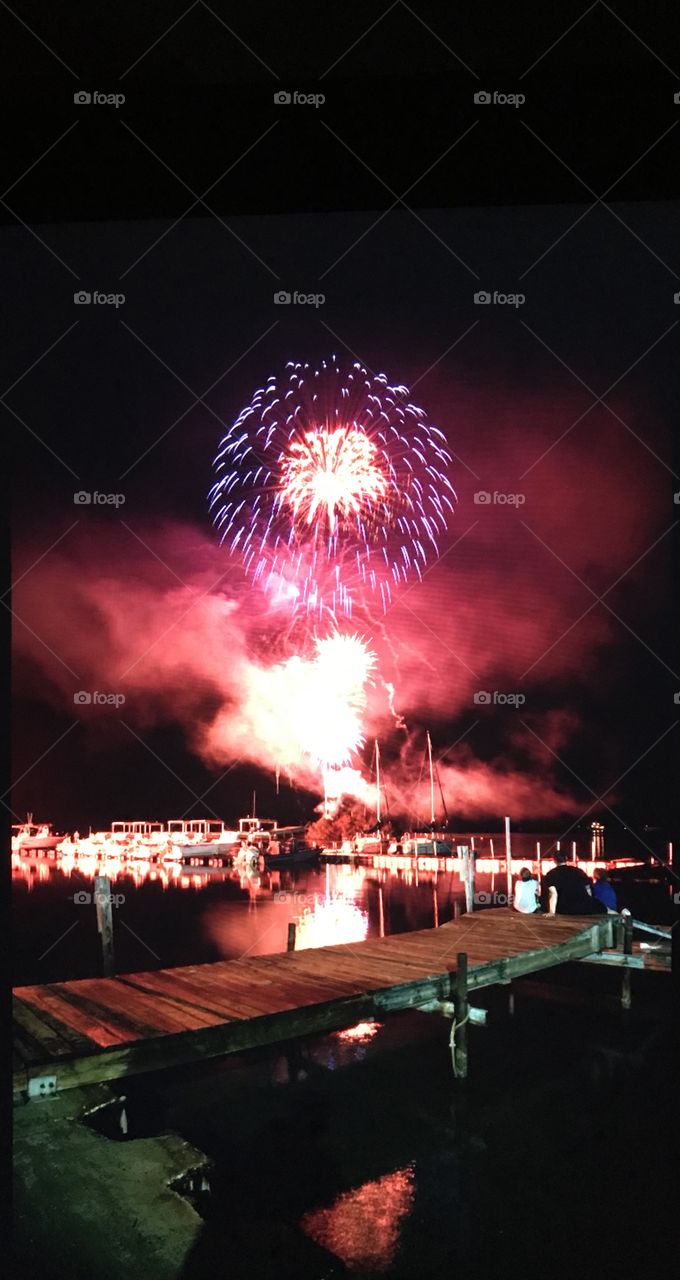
[508,860]
[459,1029]
[102,899]
[292,930]
[627,951]
[468,876]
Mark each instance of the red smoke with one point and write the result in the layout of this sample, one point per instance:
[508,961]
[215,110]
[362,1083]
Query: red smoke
[169,622]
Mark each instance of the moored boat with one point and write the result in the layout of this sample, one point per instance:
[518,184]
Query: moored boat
[29,836]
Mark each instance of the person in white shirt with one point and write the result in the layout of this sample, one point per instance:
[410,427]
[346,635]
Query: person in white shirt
[525,898]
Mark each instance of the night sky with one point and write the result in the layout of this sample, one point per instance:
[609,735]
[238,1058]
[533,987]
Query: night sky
[561,593]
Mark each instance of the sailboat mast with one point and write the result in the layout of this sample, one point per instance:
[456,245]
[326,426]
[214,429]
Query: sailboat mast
[429,756]
[377,779]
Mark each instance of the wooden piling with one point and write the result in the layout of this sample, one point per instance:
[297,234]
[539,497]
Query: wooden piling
[459,1029]
[468,876]
[292,930]
[102,898]
[627,951]
[508,859]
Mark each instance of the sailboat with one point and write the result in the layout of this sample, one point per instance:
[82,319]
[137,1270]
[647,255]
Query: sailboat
[372,841]
[428,842]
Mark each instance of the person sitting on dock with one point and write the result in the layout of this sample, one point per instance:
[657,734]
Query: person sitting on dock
[567,891]
[525,897]
[603,889]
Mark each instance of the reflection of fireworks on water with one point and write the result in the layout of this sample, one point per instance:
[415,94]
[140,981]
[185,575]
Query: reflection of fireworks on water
[331,483]
[332,920]
[362,1227]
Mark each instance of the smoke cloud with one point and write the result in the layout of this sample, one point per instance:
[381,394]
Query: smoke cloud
[155,610]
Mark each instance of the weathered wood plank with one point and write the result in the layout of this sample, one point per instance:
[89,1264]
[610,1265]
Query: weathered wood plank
[75,1041]
[76,1018]
[47,1041]
[101,1029]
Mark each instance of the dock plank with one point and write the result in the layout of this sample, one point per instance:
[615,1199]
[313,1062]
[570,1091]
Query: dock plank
[106,1028]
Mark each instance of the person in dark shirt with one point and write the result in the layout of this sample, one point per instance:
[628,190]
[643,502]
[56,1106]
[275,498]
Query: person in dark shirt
[603,889]
[567,891]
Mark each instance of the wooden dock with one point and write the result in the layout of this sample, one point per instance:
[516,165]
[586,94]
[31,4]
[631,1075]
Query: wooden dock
[68,1034]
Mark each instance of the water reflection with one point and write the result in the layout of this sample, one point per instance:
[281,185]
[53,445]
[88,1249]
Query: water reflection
[217,912]
[331,920]
[362,1227]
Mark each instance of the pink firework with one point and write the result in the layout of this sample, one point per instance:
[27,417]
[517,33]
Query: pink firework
[331,485]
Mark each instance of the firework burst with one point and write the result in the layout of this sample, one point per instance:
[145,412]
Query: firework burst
[332,485]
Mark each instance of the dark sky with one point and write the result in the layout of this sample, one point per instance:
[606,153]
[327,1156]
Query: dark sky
[508,203]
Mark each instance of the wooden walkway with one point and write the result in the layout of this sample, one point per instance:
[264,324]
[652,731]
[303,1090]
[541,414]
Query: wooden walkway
[99,1029]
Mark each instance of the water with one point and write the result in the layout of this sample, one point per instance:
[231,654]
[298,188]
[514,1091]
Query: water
[356,1154]
[172,916]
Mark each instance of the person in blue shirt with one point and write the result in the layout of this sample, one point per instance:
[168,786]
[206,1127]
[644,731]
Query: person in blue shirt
[603,889]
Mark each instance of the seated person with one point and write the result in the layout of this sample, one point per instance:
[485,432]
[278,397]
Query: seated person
[603,889]
[525,896]
[567,891]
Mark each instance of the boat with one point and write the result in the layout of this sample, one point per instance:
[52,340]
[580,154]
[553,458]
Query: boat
[31,836]
[430,841]
[200,837]
[298,855]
